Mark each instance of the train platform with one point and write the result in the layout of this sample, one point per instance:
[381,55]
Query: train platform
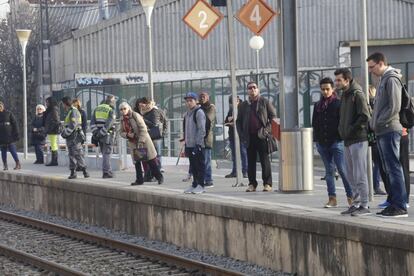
[284,231]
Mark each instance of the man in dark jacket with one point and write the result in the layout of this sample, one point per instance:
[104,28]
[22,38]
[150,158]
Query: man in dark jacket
[353,125]
[210,112]
[51,124]
[325,121]
[253,122]
[387,127]
[9,135]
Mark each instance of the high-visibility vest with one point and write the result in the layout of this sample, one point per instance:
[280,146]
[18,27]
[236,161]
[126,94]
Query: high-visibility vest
[102,113]
[67,119]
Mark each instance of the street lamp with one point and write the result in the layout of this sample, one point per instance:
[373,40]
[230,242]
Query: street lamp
[256,43]
[23,36]
[148,6]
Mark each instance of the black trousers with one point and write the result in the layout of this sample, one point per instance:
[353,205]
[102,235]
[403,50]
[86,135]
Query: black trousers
[155,170]
[197,165]
[258,146]
[405,163]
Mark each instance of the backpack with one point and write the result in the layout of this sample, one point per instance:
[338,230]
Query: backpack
[407,107]
[208,122]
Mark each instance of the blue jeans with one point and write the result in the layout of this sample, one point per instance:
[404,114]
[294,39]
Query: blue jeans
[39,152]
[13,152]
[332,156]
[243,153]
[389,150]
[207,161]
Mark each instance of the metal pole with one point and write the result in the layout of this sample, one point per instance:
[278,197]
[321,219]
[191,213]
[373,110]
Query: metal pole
[364,83]
[257,66]
[24,105]
[150,81]
[232,59]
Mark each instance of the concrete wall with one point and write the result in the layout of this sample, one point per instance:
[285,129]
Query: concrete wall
[270,236]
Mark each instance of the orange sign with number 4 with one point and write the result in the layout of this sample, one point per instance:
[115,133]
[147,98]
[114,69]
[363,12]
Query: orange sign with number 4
[255,15]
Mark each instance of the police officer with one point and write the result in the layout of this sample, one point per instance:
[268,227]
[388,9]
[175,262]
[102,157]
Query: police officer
[74,136]
[103,132]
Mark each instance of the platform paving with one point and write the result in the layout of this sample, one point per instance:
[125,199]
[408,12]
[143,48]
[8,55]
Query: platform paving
[223,190]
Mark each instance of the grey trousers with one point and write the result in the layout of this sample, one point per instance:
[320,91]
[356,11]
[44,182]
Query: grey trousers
[356,170]
[106,150]
[76,156]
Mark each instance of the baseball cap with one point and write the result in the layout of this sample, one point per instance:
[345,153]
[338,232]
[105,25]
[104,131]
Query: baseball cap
[191,95]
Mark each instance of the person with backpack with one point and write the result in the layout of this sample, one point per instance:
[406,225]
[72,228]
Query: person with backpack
[194,137]
[353,129]
[253,121]
[210,112]
[74,136]
[388,129]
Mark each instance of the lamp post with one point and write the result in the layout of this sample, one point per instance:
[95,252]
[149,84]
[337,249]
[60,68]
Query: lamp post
[148,6]
[23,36]
[256,43]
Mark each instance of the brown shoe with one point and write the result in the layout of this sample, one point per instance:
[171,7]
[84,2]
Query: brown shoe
[18,166]
[251,189]
[349,199]
[267,188]
[331,202]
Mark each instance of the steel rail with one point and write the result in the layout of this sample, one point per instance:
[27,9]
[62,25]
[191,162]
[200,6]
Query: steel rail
[192,265]
[38,262]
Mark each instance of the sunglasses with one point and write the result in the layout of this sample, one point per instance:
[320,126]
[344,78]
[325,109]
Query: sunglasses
[251,87]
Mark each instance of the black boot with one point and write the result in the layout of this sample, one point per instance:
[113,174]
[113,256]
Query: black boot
[72,174]
[138,174]
[85,173]
[54,159]
[5,167]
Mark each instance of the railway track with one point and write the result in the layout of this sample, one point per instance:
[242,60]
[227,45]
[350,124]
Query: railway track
[65,251]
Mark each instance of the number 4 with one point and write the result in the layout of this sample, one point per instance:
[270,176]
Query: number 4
[255,15]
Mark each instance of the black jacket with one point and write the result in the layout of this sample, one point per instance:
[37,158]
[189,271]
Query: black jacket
[265,113]
[325,123]
[154,117]
[84,120]
[38,136]
[354,115]
[51,120]
[8,128]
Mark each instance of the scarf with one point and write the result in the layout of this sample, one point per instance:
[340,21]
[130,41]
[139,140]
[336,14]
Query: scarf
[128,128]
[324,103]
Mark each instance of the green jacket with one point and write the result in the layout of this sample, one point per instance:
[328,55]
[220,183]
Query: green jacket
[354,115]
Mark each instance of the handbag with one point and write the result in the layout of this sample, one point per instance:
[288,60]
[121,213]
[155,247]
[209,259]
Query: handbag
[271,144]
[140,153]
[155,132]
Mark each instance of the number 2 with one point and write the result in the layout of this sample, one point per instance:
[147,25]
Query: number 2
[203,16]
[255,15]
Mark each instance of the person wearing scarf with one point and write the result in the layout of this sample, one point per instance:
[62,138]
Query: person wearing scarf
[325,121]
[133,129]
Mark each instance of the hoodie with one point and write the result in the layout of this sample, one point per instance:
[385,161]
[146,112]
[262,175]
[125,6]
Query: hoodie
[387,105]
[354,115]
[194,133]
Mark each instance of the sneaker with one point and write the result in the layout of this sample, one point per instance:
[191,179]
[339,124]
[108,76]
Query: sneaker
[350,210]
[393,212]
[209,185]
[230,175]
[384,205]
[349,199]
[267,188]
[160,180]
[187,178]
[361,211]
[107,175]
[331,202]
[251,188]
[245,175]
[379,192]
[198,190]
[336,175]
[189,190]
[407,205]
[162,170]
